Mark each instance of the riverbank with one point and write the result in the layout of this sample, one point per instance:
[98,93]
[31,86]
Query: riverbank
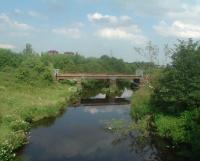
[177,133]
[21,105]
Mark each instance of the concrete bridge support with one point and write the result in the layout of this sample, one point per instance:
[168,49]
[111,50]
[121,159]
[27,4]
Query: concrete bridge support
[78,82]
[112,84]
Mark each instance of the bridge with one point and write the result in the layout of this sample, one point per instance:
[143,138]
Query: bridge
[96,76]
[112,77]
[78,77]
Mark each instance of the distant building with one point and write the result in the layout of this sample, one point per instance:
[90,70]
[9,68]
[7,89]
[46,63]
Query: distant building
[69,53]
[52,52]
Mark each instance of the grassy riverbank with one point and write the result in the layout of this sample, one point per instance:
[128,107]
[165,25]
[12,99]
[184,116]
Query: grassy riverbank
[22,104]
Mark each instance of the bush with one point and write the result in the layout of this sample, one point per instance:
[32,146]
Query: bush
[171,128]
[14,141]
[18,125]
[9,59]
[33,70]
[140,103]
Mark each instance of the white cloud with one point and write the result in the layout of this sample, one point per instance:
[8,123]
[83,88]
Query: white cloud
[69,32]
[7,46]
[189,13]
[37,15]
[132,34]
[181,21]
[178,29]
[98,18]
[9,25]
[117,28]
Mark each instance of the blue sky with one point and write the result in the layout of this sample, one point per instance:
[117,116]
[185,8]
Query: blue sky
[97,27]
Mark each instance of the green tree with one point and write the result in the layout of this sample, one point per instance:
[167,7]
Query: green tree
[179,87]
[176,99]
[28,49]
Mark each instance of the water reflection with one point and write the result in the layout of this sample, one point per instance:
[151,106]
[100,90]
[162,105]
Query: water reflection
[126,94]
[102,109]
[78,136]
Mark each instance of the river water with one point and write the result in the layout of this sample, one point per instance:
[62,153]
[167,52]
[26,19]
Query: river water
[79,135]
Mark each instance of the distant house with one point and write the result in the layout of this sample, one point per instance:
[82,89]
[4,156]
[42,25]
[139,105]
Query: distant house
[69,53]
[52,52]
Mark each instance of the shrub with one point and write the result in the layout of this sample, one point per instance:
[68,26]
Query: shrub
[19,125]
[171,127]
[140,103]
[9,59]
[33,70]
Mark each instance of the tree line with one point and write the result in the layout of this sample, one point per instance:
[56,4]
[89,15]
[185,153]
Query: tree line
[30,67]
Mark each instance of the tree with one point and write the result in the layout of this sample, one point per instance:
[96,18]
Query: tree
[167,53]
[28,50]
[179,87]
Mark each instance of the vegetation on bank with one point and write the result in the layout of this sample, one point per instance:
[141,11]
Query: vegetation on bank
[173,101]
[21,105]
[27,94]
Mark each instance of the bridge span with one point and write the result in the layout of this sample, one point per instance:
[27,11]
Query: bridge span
[81,76]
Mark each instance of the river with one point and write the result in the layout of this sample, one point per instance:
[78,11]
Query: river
[79,135]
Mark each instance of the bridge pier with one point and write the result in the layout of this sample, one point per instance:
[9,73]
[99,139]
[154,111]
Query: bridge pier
[78,82]
[112,84]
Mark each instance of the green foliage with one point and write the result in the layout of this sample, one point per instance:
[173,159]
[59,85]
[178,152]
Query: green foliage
[179,87]
[174,100]
[182,129]
[33,70]
[92,87]
[191,121]
[6,151]
[170,127]
[121,84]
[177,98]
[22,104]
[28,50]
[9,59]
[78,63]
[140,103]
[111,91]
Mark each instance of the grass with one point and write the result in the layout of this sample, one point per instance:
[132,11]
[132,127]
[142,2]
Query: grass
[21,104]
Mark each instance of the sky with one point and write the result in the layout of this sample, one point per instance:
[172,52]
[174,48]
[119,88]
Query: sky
[97,27]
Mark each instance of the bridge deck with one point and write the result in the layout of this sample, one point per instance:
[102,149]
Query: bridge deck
[96,76]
